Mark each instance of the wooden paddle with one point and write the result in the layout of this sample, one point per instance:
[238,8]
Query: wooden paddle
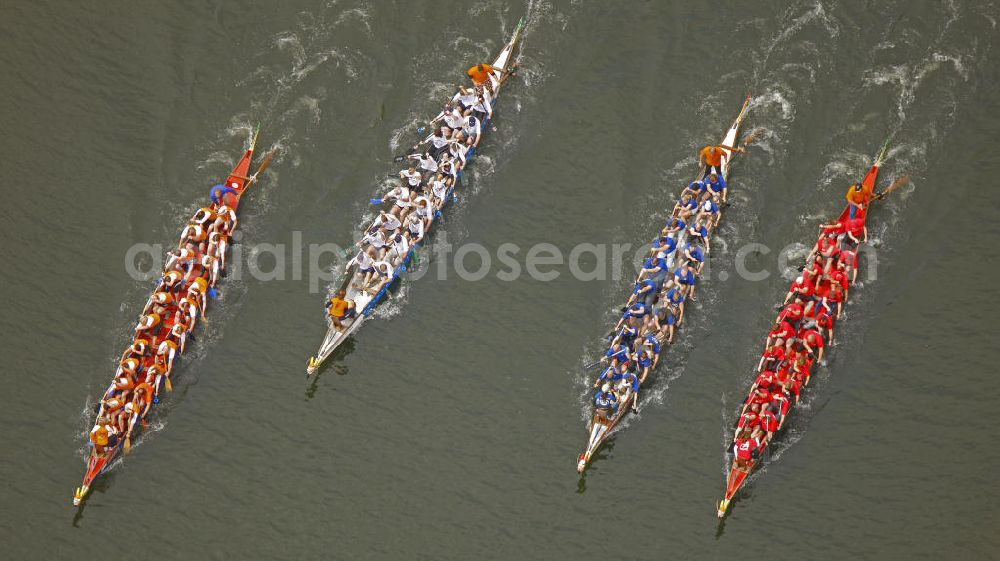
[895,185]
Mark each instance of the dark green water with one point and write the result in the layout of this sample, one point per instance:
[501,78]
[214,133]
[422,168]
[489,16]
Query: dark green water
[449,428]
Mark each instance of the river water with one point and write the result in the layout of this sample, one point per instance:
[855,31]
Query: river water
[449,427]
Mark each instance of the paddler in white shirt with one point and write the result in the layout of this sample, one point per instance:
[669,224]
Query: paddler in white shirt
[412,177]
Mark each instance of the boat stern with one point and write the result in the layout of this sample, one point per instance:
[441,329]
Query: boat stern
[80,493]
[313,365]
[723,506]
[94,467]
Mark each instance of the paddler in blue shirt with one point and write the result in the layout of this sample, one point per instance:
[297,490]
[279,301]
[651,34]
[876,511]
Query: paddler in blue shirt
[630,380]
[673,226]
[605,401]
[717,185]
[644,290]
[684,277]
[645,362]
[695,256]
[616,354]
[695,188]
[662,246]
[610,375]
[654,268]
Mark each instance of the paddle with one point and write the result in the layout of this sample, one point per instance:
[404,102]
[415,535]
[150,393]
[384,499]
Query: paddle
[253,178]
[895,185]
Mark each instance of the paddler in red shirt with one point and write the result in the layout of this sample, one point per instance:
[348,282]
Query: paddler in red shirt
[780,404]
[745,449]
[765,379]
[834,300]
[759,397]
[792,313]
[857,230]
[772,356]
[748,420]
[848,261]
[802,367]
[781,330]
[813,342]
[768,421]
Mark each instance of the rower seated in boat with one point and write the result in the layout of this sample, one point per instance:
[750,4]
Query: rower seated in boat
[411,177]
[471,129]
[768,420]
[389,223]
[663,246]
[104,435]
[402,198]
[746,448]
[772,356]
[781,330]
[749,419]
[716,185]
[792,313]
[821,320]
[626,336]
[340,309]
[414,230]
[696,188]
[172,279]
[644,361]
[664,321]
[695,256]
[400,247]
[674,299]
[483,108]
[425,163]
[383,276]
[708,212]
[636,313]
[856,230]
[685,278]
[700,231]
[616,353]
[685,208]
[605,402]
[147,322]
[812,341]
[654,268]
[780,403]
[196,291]
[439,142]
[674,226]
[439,190]
[611,374]
[136,350]
[766,380]
[225,221]
[834,299]
[644,291]
[465,98]
[124,381]
[630,383]
[204,217]
[210,264]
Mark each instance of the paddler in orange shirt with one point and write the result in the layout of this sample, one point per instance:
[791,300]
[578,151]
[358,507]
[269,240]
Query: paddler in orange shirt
[480,75]
[340,309]
[711,157]
[857,197]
